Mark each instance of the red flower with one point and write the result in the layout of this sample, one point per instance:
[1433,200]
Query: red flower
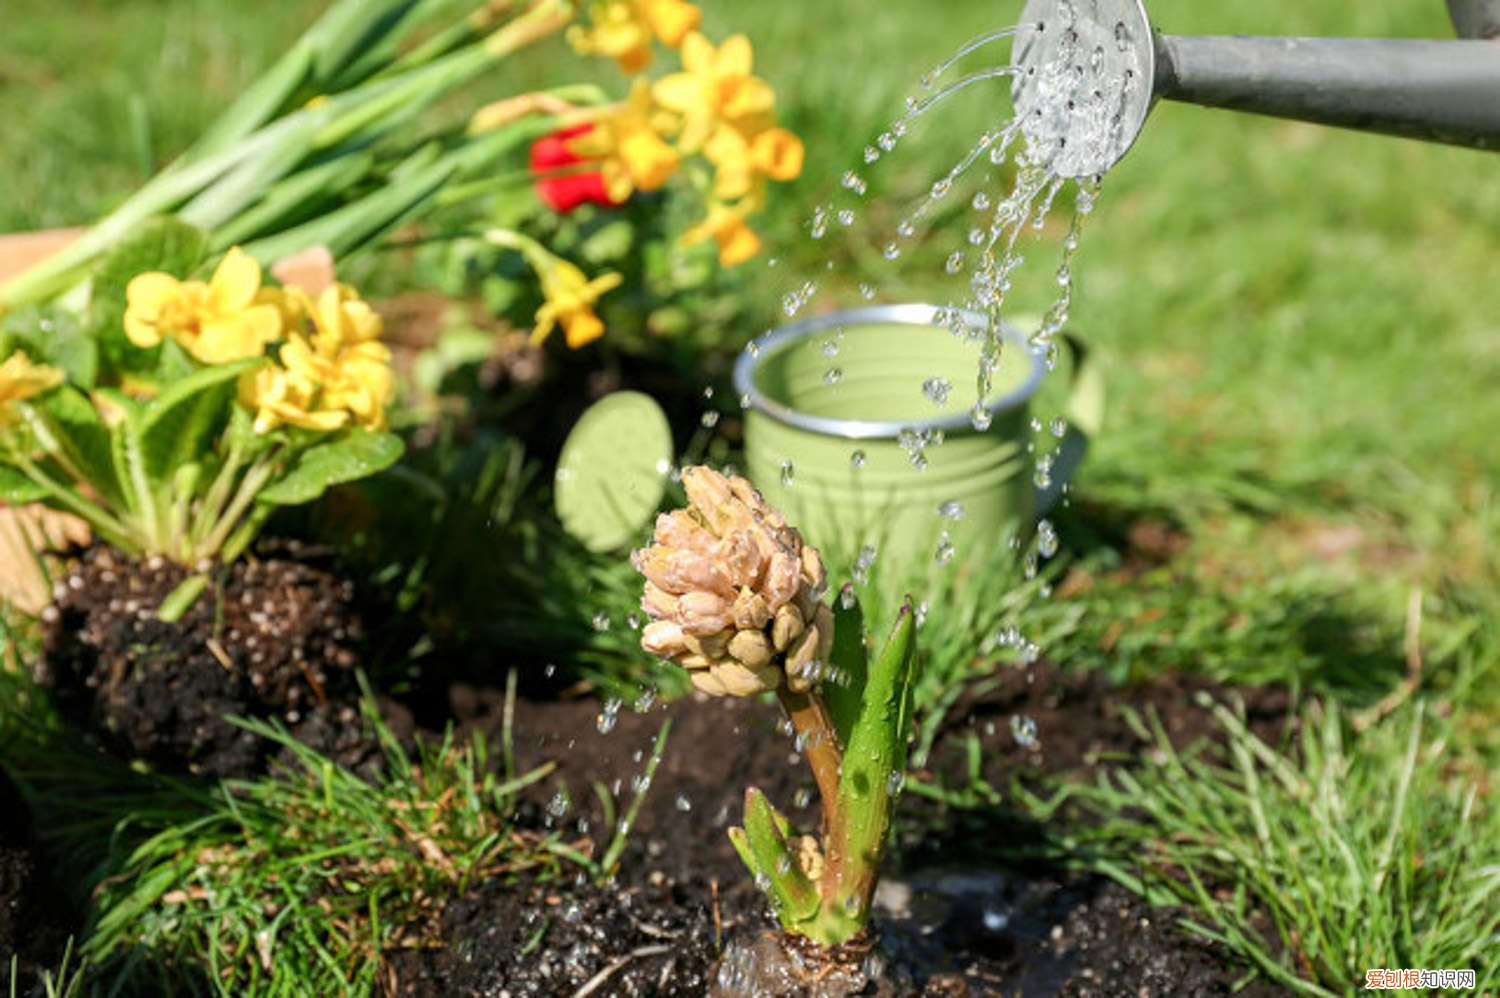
[564,191]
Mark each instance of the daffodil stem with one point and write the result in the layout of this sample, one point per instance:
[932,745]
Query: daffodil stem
[820,743]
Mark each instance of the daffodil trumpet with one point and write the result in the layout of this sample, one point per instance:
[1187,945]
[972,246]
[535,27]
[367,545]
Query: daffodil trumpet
[738,599]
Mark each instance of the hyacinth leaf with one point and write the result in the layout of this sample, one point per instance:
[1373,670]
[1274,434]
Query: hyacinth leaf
[349,455]
[611,475]
[293,201]
[16,488]
[178,425]
[766,835]
[267,97]
[850,658]
[243,185]
[875,758]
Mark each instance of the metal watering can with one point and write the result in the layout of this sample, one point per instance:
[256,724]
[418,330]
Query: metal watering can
[1087,73]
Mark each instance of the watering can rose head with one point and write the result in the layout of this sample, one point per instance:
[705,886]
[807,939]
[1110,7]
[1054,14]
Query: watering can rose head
[733,592]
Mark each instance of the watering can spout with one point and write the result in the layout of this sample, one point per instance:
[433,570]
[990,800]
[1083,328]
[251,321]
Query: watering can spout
[1087,73]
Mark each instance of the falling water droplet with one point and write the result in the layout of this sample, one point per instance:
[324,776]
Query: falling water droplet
[862,563]
[857,459]
[867,292]
[683,804]
[608,716]
[980,417]
[945,549]
[892,251]
[787,472]
[941,188]
[981,201]
[854,182]
[887,141]
[1058,426]
[833,375]
[710,419]
[906,229]
[955,262]
[1023,730]
[937,390]
[601,621]
[1046,538]
[846,217]
[871,154]
[951,510]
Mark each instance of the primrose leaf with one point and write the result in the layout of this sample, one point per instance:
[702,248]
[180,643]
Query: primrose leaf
[16,488]
[166,244]
[180,424]
[52,336]
[85,438]
[351,455]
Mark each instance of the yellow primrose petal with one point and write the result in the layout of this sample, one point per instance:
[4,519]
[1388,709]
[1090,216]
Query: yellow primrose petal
[147,293]
[343,317]
[778,154]
[582,328]
[20,379]
[236,280]
[672,20]
[237,336]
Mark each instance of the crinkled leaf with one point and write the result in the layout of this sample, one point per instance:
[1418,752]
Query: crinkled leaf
[52,336]
[85,438]
[15,487]
[163,244]
[351,455]
[182,423]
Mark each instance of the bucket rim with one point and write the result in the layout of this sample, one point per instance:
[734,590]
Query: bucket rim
[908,314]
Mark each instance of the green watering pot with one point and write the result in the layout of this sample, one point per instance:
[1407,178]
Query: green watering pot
[829,435]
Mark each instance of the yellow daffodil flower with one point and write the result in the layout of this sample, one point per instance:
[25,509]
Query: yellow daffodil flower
[715,87]
[623,30]
[230,318]
[570,302]
[726,226]
[20,380]
[742,163]
[627,143]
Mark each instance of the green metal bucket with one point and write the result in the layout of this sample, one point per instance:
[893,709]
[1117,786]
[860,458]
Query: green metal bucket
[828,435]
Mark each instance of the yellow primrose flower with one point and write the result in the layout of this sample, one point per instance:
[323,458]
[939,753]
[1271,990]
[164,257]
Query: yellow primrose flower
[341,371]
[340,317]
[230,318]
[742,163]
[570,302]
[627,143]
[715,87]
[726,226]
[20,380]
[623,29]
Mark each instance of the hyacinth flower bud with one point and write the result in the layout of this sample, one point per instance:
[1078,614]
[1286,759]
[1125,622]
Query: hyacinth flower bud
[731,591]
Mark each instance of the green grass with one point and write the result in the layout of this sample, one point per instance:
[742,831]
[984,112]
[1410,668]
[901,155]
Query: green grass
[1303,338]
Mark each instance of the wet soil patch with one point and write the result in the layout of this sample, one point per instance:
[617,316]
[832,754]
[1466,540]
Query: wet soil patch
[956,916]
[275,638]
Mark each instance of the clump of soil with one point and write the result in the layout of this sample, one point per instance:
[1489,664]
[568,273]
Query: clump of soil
[274,639]
[992,926]
[34,921]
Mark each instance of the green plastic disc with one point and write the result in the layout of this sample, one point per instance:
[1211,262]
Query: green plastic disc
[613,470]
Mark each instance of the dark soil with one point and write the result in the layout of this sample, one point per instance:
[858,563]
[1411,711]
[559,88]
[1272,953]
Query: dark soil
[273,639]
[35,923]
[954,916]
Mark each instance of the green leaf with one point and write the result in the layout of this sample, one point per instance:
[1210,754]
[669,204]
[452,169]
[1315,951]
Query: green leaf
[181,599]
[180,425]
[876,750]
[767,840]
[851,659]
[52,336]
[351,455]
[15,487]
[159,244]
[85,439]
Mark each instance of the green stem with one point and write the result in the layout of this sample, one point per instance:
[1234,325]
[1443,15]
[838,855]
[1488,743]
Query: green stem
[104,524]
[217,494]
[255,479]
